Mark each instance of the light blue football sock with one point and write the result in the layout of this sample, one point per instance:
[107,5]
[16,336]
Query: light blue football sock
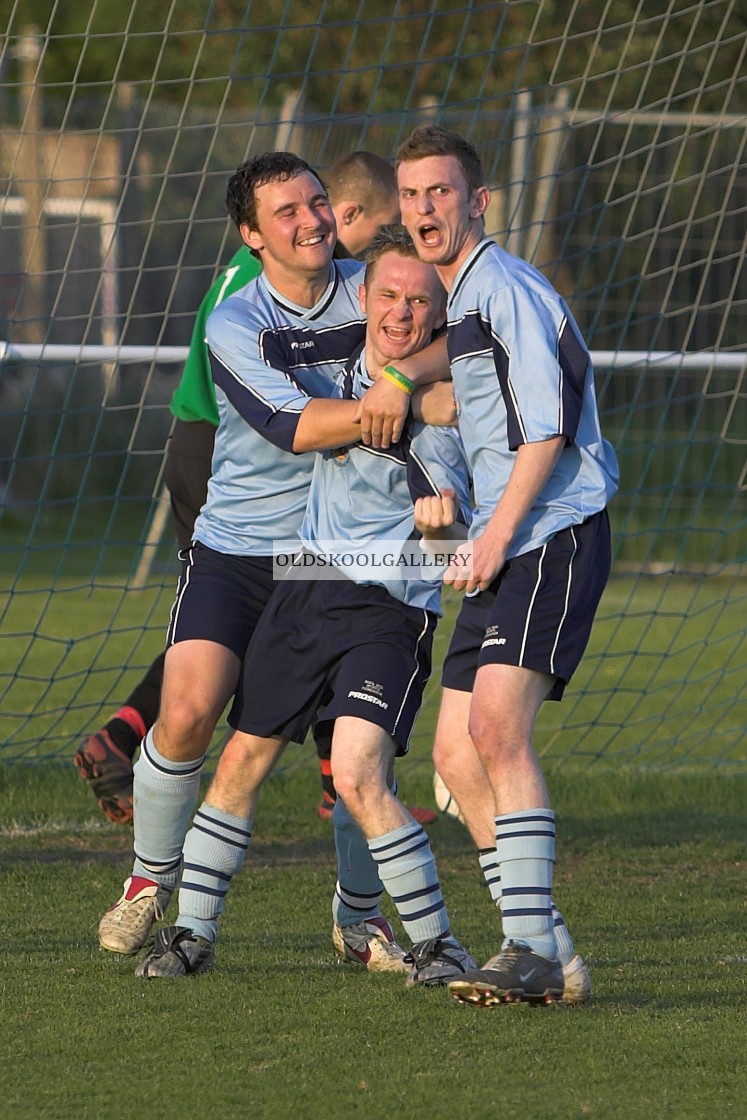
[408,871]
[214,851]
[525,849]
[563,939]
[359,889]
[164,796]
[488,860]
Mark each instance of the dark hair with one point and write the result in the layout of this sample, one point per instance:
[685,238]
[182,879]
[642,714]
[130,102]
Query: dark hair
[433,140]
[270,167]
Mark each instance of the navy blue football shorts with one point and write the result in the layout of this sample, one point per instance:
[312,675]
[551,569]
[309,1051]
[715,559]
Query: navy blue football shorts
[219,598]
[538,612]
[332,648]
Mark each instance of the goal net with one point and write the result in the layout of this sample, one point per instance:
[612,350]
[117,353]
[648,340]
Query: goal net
[614,139]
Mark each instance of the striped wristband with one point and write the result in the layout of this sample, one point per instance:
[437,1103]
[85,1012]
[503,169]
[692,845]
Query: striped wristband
[399,379]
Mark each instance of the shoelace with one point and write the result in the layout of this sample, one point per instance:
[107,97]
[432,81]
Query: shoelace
[511,950]
[170,941]
[129,916]
[507,956]
[423,954]
[420,956]
[389,948]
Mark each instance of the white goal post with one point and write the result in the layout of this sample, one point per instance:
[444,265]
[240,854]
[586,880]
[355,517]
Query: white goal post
[705,362]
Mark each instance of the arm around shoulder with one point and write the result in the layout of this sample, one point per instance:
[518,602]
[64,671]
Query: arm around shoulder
[325,424]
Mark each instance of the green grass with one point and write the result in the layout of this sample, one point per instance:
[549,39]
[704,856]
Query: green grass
[71,656]
[645,759]
[77,539]
[650,877]
[662,683]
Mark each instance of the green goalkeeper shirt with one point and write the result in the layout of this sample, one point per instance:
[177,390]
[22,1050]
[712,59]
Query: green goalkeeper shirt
[194,397]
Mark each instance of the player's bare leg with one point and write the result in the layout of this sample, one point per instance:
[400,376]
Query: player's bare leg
[362,762]
[362,757]
[505,702]
[457,761]
[360,932]
[245,764]
[199,678]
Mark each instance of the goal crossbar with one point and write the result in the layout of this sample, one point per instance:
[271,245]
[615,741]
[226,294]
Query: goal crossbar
[130,355]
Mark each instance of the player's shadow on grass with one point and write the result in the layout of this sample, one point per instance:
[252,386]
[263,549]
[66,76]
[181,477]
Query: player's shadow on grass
[262,853]
[634,1000]
[65,854]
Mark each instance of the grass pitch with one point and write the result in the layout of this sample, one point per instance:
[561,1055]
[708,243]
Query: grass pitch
[650,876]
[661,684]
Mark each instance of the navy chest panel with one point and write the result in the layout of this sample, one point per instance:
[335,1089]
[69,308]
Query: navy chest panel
[301,347]
[470,335]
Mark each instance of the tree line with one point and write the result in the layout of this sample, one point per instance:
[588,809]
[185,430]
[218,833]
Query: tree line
[363,56]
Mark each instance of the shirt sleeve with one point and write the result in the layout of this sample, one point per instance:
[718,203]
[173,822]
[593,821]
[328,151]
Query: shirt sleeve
[269,397]
[540,362]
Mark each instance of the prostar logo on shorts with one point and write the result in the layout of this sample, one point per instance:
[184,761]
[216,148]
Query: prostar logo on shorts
[492,638]
[372,694]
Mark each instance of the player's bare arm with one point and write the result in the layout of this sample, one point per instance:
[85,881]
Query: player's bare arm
[428,365]
[383,410]
[330,423]
[326,423]
[435,404]
[534,464]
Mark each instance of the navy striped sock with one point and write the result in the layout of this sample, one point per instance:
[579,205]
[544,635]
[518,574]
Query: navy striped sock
[525,847]
[488,860]
[408,871]
[214,851]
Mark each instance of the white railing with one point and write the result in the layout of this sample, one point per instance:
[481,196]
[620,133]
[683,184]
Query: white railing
[124,355]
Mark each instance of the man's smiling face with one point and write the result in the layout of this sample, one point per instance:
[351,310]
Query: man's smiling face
[296,226]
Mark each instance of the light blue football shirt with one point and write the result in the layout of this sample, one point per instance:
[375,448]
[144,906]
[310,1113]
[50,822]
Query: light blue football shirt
[522,374]
[269,359]
[364,497]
